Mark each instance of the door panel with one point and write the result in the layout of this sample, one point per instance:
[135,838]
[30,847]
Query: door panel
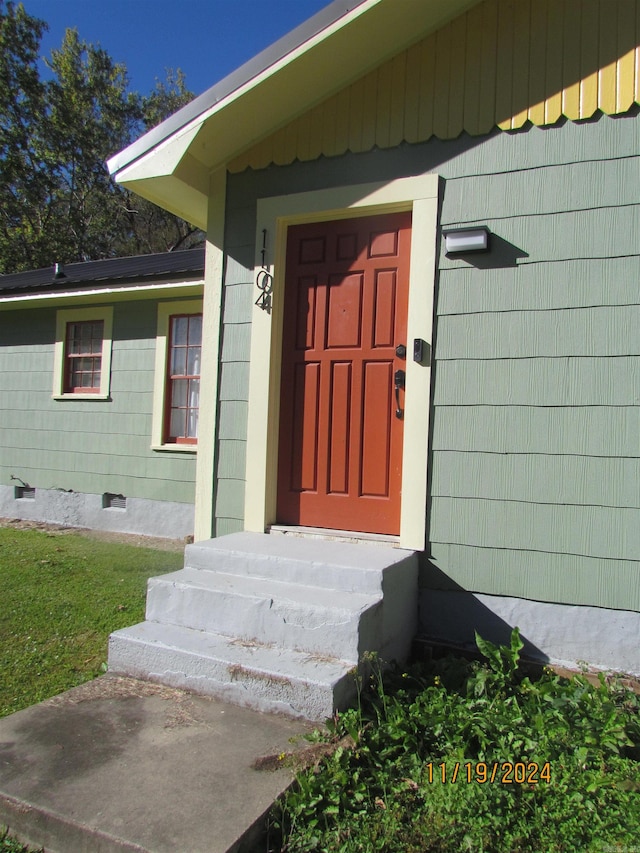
[340,446]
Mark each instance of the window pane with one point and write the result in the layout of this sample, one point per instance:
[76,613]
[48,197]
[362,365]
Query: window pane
[194,393]
[195,330]
[97,335]
[178,361]
[193,361]
[176,425]
[179,388]
[180,330]
[73,338]
[192,423]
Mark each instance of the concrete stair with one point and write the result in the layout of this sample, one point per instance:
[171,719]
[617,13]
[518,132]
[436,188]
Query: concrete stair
[275,623]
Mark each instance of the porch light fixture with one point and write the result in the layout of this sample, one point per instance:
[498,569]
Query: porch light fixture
[466,240]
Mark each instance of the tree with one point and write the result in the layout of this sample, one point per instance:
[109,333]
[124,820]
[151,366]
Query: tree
[151,228]
[90,115]
[25,183]
[57,201]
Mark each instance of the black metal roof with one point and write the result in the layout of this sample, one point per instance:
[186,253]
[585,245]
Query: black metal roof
[166,265]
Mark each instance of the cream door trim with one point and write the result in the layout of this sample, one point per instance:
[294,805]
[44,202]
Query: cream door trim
[420,195]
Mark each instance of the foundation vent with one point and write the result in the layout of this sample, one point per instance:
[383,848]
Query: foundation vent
[25,493]
[110,501]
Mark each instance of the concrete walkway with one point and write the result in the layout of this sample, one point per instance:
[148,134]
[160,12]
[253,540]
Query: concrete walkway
[123,765]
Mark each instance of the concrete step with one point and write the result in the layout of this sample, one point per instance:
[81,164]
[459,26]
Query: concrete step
[262,677]
[312,562]
[292,615]
[276,623]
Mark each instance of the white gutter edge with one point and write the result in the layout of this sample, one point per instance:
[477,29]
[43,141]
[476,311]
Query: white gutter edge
[106,291]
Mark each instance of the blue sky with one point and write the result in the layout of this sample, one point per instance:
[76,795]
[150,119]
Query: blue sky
[207,39]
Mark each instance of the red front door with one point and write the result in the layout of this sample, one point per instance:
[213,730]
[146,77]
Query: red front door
[340,448]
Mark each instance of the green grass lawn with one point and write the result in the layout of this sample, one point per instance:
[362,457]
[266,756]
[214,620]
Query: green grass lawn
[61,595]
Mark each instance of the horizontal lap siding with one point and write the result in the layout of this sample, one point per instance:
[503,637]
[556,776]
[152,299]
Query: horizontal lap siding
[536,395]
[536,575]
[86,446]
[535,485]
[234,372]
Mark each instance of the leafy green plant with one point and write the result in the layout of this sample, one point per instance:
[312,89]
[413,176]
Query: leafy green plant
[474,756]
[8,844]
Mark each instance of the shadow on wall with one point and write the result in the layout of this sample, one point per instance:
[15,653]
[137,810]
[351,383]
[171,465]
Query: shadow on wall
[450,614]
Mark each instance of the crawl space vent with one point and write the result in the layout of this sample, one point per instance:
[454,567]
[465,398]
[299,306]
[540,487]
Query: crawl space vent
[25,493]
[110,501]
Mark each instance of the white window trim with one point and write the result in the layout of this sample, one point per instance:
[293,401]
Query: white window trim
[80,315]
[165,311]
[419,195]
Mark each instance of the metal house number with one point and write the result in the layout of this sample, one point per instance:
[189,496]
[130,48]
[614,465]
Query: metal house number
[264,279]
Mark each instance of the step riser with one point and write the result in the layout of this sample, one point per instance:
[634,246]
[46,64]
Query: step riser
[230,682]
[286,624]
[324,575]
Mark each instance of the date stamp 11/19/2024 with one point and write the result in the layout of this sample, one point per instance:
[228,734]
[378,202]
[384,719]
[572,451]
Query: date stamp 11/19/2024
[480,772]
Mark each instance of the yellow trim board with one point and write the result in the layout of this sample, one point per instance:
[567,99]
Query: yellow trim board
[418,194]
[209,374]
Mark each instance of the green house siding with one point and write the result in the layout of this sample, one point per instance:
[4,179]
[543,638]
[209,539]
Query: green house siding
[90,446]
[233,390]
[535,463]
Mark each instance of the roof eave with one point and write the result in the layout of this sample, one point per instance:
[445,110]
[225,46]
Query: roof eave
[172,164]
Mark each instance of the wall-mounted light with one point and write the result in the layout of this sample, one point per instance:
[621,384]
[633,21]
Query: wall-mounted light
[466,240]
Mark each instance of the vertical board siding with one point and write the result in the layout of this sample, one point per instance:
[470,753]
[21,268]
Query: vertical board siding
[86,446]
[502,64]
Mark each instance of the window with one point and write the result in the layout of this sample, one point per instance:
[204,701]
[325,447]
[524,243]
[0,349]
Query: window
[183,392]
[83,357]
[83,353]
[176,398]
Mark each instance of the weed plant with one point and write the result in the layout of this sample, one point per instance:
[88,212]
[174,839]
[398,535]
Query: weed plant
[474,756]
[10,845]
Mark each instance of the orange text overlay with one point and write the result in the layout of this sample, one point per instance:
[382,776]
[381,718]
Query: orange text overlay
[481,772]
